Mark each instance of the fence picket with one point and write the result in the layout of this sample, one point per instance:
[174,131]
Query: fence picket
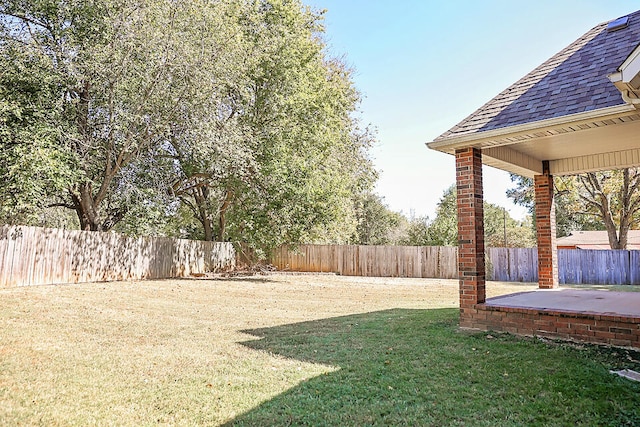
[575,266]
[36,256]
[361,260]
[634,267]
[32,256]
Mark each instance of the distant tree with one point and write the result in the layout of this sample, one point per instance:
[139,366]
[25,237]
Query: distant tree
[593,201]
[443,230]
[501,230]
[523,193]
[376,223]
[418,232]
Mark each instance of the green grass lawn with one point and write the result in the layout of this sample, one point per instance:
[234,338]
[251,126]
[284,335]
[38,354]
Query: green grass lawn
[290,350]
[414,367]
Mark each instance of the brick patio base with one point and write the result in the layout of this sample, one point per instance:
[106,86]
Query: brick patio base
[621,331]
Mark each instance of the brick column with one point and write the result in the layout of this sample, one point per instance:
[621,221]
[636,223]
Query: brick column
[471,269]
[546,230]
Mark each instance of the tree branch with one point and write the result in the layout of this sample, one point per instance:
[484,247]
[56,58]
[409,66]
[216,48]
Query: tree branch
[60,205]
[33,21]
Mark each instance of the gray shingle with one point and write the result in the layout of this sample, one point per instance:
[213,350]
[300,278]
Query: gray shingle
[572,81]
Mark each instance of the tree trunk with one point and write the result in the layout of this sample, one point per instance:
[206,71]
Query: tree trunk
[88,210]
[201,197]
[207,226]
[222,223]
[87,204]
[626,205]
[85,207]
[622,238]
[614,241]
[221,226]
[601,200]
[609,222]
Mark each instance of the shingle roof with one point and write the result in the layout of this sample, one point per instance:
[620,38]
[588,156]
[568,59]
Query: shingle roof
[596,238]
[572,81]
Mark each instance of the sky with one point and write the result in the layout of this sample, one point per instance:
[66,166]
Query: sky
[422,66]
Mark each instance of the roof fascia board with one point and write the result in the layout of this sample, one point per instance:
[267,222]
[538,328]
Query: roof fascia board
[625,78]
[633,57]
[628,71]
[477,139]
[615,77]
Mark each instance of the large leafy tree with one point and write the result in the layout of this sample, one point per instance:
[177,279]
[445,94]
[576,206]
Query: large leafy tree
[131,82]
[568,216]
[278,156]
[211,147]
[309,151]
[613,197]
[33,167]
[122,75]
[143,111]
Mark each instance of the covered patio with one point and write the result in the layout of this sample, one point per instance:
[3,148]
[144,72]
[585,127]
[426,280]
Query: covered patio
[575,113]
[574,314]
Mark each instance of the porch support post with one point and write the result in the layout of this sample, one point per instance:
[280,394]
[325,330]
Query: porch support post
[471,268]
[546,230]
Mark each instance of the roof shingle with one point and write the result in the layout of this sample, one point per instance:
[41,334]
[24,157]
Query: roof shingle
[587,239]
[572,81]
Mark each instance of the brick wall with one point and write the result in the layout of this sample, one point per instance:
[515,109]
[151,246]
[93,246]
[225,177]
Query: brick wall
[593,328]
[471,268]
[546,232]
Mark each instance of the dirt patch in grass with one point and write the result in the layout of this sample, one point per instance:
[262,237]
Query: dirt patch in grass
[193,352]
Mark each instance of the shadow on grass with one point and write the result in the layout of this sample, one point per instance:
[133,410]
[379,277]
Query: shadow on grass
[414,367]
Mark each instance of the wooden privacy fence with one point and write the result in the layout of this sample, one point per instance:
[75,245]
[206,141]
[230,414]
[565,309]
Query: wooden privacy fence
[359,260]
[37,256]
[598,267]
[512,264]
[575,266]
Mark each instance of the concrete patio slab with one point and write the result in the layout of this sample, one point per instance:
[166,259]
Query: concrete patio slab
[573,300]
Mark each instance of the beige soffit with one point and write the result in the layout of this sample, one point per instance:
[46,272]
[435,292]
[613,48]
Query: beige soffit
[521,149]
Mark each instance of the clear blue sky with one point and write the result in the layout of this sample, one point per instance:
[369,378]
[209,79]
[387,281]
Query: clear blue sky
[424,65]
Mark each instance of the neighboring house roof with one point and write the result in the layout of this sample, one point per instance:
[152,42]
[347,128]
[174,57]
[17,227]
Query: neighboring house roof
[596,240]
[572,81]
[577,112]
